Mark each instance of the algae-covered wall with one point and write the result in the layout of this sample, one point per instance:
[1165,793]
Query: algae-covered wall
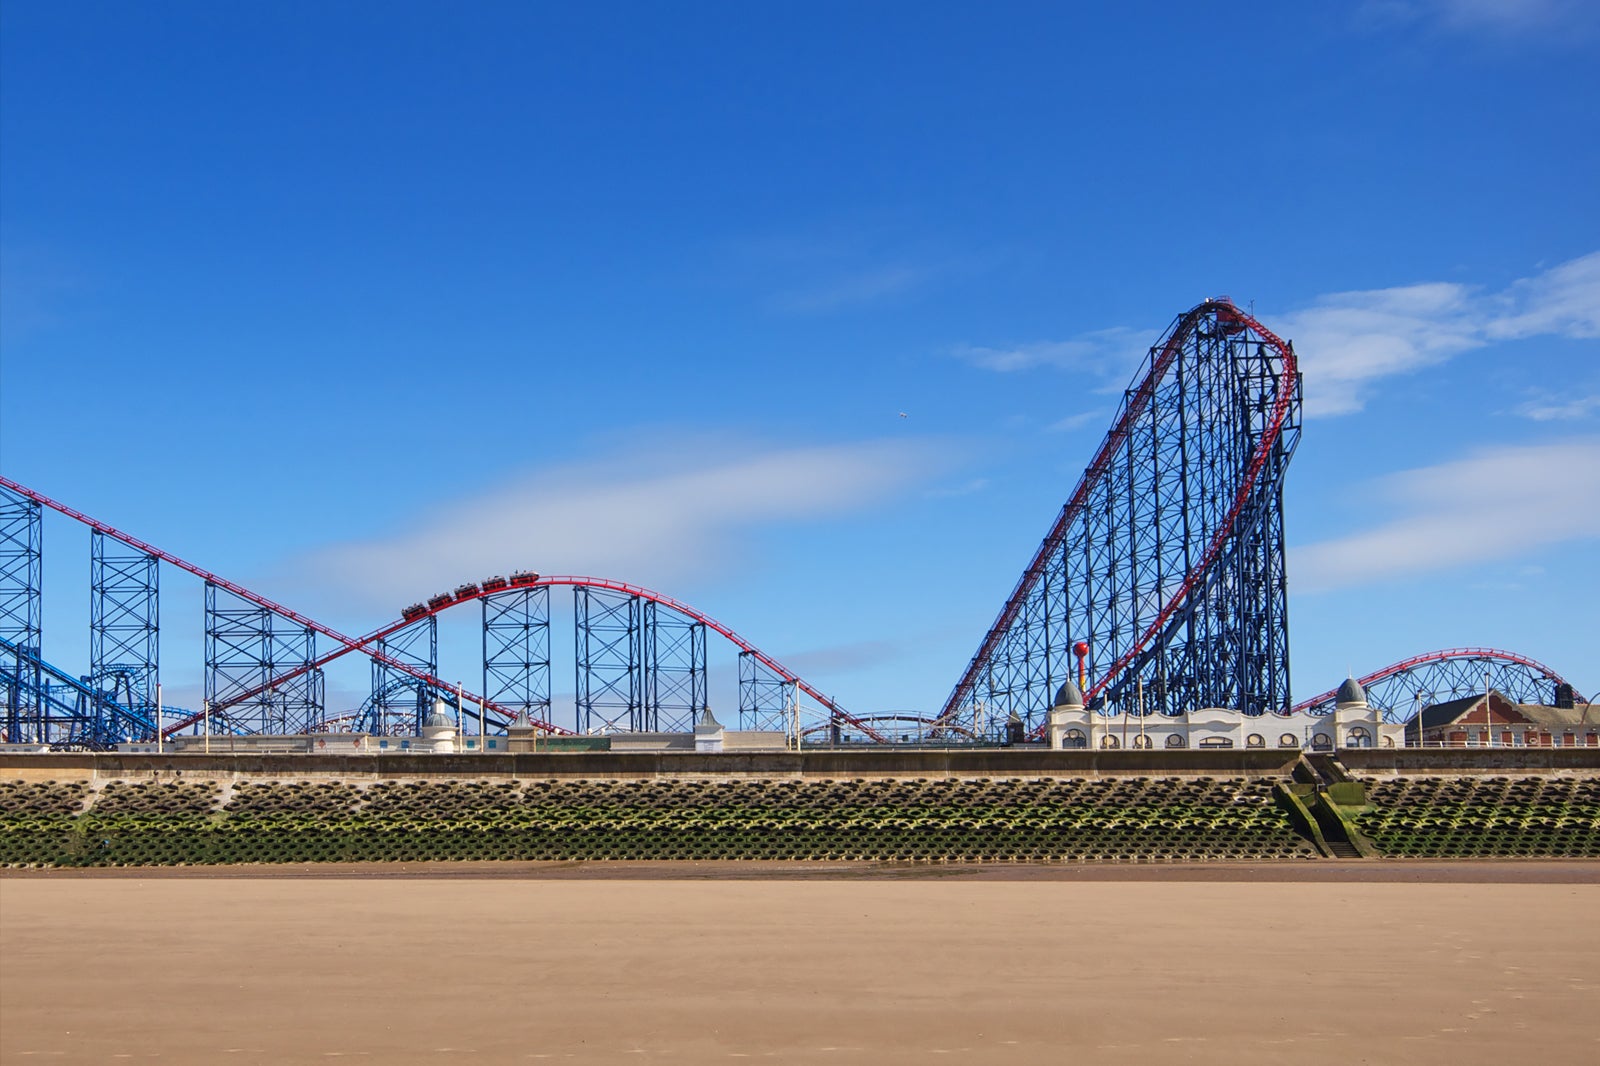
[129,822]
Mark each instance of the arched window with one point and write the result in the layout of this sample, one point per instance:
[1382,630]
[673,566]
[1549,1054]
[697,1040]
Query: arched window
[1076,739]
[1288,740]
[1216,742]
[1321,742]
[1255,740]
[1388,741]
[1142,740]
[1175,740]
[1108,741]
[1358,737]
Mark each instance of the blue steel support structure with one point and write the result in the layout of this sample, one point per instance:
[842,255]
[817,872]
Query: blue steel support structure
[248,646]
[400,702]
[641,668]
[1167,561]
[124,623]
[68,712]
[607,640]
[674,651]
[516,650]
[21,620]
[766,698]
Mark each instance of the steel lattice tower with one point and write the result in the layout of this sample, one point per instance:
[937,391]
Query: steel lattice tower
[607,637]
[674,668]
[766,698]
[247,647]
[1167,560]
[400,701]
[21,620]
[516,650]
[124,623]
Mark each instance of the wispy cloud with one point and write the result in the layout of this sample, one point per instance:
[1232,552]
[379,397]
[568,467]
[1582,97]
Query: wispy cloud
[1103,355]
[838,267]
[1519,18]
[965,488]
[1548,408]
[1079,420]
[1496,504]
[853,288]
[844,658]
[1526,16]
[1564,300]
[1348,341]
[653,516]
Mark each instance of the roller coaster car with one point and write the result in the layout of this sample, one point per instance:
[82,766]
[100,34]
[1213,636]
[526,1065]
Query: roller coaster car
[1230,321]
[415,611]
[524,577]
[466,592]
[444,599]
[495,584]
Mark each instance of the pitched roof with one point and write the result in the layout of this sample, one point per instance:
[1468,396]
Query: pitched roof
[1451,711]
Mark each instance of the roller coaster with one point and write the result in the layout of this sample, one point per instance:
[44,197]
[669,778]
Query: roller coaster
[641,662]
[1166,563]
[1403,688]
[1164,573]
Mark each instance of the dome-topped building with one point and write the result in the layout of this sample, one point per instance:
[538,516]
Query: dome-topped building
[1351,694]
[439,729]
[1070,723]
[1068,695]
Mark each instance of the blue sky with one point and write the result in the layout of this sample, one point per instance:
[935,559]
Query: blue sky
[353,302]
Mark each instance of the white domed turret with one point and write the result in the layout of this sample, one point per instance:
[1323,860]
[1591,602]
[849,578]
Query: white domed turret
[1351,694]
[439,729]
[1068,695]
[1358,724]
[1070,723]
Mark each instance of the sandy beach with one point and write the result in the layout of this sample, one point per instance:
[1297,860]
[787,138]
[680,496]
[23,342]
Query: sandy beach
[1139,966]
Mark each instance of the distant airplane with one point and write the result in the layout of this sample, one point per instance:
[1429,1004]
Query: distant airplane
[902,414]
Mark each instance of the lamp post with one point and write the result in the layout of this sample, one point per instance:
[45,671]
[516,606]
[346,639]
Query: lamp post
[1488,718]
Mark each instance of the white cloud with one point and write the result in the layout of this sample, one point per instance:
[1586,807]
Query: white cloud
[863,287]
[1497,504]
[1079,420]
[1102,355]
[1564,300]
[1514,15]
[1499,18]
[1547,408]
[966,488]
[1349,340]
[655,517]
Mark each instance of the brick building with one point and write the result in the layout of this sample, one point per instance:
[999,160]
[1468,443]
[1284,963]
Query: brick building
[1493,720]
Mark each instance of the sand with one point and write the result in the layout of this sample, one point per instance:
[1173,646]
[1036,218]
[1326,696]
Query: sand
[1138,967]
